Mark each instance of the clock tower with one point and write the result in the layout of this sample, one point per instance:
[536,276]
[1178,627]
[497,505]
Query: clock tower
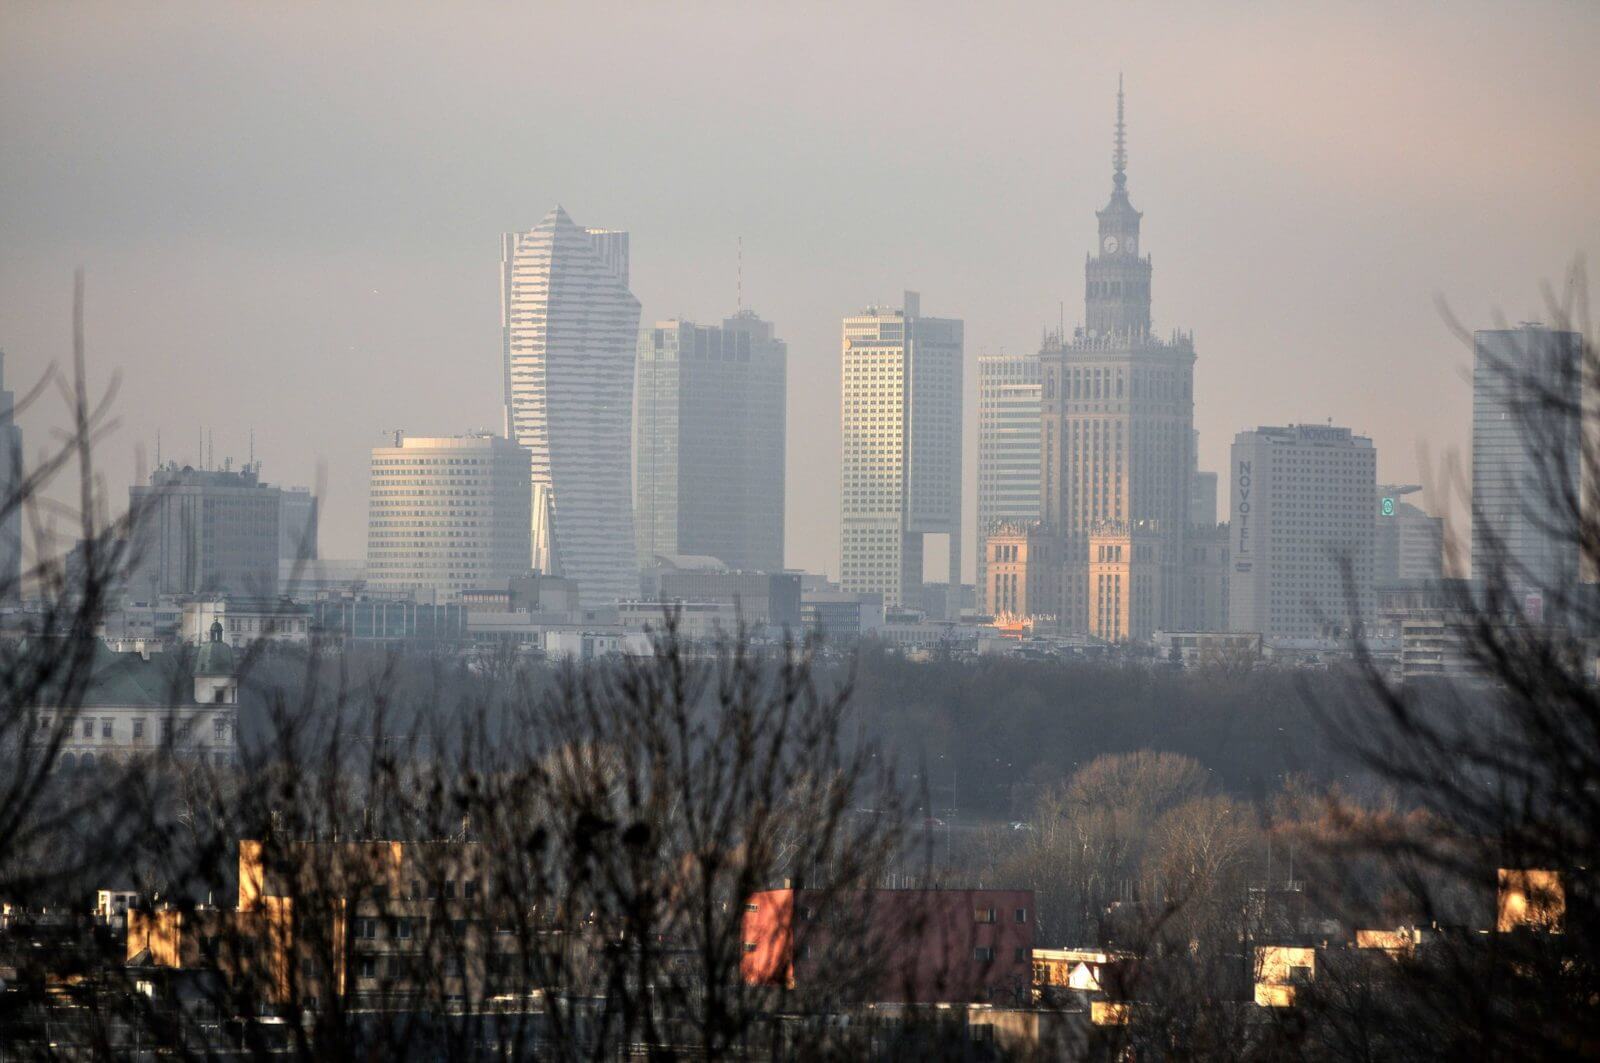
[1117,278]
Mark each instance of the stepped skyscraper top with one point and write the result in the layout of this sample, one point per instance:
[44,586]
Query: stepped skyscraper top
[1117,279]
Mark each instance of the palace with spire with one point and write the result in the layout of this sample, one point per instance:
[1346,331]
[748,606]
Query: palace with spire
[1116,441]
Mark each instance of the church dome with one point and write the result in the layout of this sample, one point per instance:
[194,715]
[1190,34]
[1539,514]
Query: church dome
[215,656]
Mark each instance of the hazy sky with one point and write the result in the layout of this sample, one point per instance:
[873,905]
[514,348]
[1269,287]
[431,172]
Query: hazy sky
[290,214]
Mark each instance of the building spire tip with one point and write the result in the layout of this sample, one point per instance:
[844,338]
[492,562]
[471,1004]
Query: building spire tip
[1119,154]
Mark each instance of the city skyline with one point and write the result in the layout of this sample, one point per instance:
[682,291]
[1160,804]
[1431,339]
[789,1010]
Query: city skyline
[1372,162]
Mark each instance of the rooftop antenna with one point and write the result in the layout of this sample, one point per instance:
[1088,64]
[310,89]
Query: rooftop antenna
[211,450]
[200,443]
[252,447]
[158,448]
[740,293]
[1119,156]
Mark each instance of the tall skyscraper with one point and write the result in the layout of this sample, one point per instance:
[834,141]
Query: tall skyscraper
[1118,416]
[10,477]
[1008,452]
[1303,499]
[570,333]
[901,475]
[448,514]
[204,531]
[709,450]
[1527,461]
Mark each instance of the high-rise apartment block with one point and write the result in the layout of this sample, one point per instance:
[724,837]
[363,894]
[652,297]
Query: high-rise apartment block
[570,329]
[901,475]
[204,531]
[448,514]
[1118,418]
[1302,532]
[1021,568]
[10,479]
[709,451]
[1008,453]
[1527,465]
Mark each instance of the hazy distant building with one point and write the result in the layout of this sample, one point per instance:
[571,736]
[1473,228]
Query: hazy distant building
[204,531]
[1408,544]
[1303,499]
[1205,578]
[448,514]
[901,475]
[1118,416]
[570,329]
[1525,452]
[1008,451]
[709,442]
[297,525]
[1202,489]
[10,468]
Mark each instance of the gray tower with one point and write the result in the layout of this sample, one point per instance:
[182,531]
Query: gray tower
[1527,462]
[10,505]
[1117,425]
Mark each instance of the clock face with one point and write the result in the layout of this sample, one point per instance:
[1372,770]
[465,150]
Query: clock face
[1111,245]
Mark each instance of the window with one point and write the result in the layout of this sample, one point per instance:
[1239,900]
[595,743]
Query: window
[88,728]
[469,889]
[749,947]
[983,953]
[402,928]
[983,915]
[1020,955]
[138,730]
[1022,915]
[105,728]
[219,728]
[366,929]
[752,907]
[369,967]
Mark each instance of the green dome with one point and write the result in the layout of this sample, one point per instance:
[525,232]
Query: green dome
[215,656]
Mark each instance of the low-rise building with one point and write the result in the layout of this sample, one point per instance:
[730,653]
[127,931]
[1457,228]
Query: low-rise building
[247,621]
[914,945]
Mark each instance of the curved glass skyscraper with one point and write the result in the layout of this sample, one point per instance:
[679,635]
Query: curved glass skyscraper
[570,332]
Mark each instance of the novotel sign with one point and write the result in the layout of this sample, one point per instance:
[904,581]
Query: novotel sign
[1242,493]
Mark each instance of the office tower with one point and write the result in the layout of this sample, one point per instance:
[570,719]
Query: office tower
[1408,545]
[204,531]
[570,332]
[297,525]
[1205,578]
[10,479]
[1527,461]
[901,475]
[1118,416]
[1008,452]
[448,514]
[709,450]
[1202,489]
[1303,499]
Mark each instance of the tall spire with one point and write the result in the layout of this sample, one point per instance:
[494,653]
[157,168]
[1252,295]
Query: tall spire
[1119,156]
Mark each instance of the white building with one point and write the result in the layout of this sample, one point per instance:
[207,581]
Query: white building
[570,327]
[447,514]
[138,704]
[1303,499]
[246,621]
[901,475]
[1008,451]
